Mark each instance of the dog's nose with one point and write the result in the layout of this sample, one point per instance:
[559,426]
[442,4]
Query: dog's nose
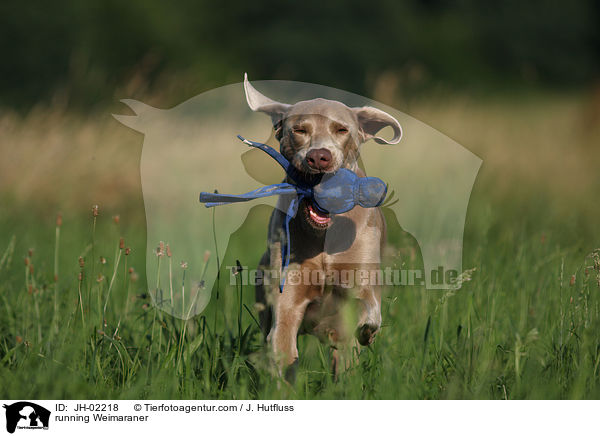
[319,159]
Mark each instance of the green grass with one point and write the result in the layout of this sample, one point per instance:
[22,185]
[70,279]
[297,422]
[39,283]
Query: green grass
[526,325]
[520,328]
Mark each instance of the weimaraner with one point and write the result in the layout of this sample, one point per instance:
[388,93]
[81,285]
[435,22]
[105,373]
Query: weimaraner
[320,136]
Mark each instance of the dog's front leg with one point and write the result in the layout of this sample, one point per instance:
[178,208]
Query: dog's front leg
[290,306]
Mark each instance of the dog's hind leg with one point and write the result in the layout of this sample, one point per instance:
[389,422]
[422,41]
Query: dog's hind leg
[344,356]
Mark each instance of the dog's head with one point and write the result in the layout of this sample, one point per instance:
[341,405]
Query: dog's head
[322,136]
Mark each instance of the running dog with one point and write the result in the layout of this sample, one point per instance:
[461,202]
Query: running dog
[327,252]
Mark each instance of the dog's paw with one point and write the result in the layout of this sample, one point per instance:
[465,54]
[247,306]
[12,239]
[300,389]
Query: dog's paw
[366,334]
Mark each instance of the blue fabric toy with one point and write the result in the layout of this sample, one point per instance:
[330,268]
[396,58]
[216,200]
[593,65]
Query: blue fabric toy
[333,193]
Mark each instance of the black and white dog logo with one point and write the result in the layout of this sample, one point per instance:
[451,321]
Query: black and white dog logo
[26,415]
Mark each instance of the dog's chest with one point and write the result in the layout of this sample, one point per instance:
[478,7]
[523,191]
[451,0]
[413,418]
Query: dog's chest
[354,238]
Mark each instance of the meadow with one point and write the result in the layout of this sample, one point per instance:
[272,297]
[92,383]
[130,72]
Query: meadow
[76,320]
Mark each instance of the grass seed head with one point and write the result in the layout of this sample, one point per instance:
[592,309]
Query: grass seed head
[81,262]
[169,254]
[127,251]
[116,219]
[121,243]
[95,210]
[58,220]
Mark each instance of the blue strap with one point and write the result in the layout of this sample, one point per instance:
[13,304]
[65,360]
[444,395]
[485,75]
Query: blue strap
[214,199]
[301,190]
[281,160]
[286,248]
[290,170]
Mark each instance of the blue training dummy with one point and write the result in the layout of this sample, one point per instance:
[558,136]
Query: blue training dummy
[333,193]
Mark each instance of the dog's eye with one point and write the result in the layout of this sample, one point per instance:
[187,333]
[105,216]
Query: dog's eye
[299,131]
[342,130]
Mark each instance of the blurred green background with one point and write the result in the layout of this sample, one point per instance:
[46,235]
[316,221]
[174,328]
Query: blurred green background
[85,53]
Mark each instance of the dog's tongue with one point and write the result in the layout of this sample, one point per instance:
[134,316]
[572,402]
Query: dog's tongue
[317,216]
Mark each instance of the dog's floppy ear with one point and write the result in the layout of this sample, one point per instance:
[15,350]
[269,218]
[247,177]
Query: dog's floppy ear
[261,103]
[372,120]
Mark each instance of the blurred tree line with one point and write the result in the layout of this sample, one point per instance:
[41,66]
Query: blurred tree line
[86,51]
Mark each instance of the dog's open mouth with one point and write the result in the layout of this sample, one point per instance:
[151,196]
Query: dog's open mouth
[315,217]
